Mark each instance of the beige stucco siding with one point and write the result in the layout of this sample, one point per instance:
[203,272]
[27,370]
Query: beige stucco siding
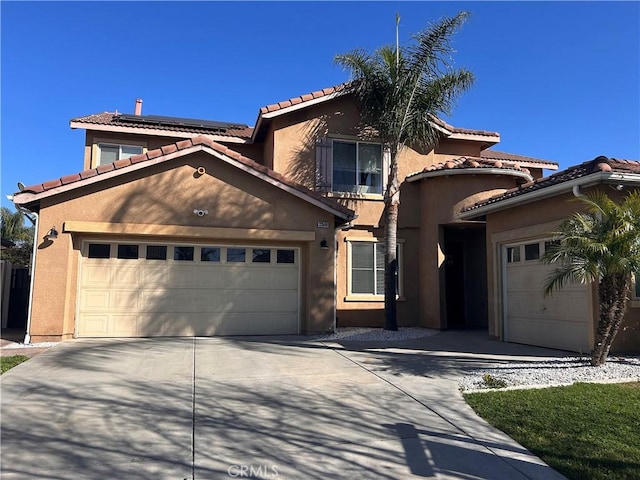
[441,198]
[167,194]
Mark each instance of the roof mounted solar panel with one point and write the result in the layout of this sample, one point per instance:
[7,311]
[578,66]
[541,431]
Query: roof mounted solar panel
[180,122]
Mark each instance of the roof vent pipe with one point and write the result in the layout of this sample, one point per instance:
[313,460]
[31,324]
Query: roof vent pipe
[138,110]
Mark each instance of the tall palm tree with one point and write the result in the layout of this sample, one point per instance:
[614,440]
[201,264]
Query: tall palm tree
[401,91]
[602,244]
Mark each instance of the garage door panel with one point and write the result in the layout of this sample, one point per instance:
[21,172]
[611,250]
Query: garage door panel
[154,276]
[183,277]
[570,305]
[123,300]
[212,277]
[125,275]
[94,300]
[561,320]
[548,333]
[94,326]
[123,326]
[96,275]
[140,297]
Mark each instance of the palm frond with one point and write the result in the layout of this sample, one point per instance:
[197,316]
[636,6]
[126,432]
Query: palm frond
[603,241]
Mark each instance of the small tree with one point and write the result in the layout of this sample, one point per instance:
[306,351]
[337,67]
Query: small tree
[400,91]
[13,229]
[600,245]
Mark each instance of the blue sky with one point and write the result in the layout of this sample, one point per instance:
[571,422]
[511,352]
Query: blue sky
[558,80]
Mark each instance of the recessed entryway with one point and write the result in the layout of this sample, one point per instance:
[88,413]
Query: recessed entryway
[465,276]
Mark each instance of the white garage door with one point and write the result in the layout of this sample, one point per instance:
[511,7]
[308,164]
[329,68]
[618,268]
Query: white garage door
[559,321]
[130,289]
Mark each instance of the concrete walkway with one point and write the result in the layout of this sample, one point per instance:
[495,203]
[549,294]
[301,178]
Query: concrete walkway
[263,407]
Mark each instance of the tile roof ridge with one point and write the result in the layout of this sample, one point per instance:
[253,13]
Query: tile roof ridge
[342,87]
[454,129]
[471,162]
[487,153]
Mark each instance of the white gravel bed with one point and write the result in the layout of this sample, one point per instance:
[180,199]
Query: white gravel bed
[366,334]
[553,372]
[30,345]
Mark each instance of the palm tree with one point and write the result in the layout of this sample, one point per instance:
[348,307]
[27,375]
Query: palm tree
[12,226]
[401,91]
[13,229]
[603,245]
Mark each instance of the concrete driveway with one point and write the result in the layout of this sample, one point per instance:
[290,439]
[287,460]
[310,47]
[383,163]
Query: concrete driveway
[262,407]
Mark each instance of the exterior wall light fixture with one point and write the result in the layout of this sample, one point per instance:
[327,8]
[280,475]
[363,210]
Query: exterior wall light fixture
[51,234]
[324,245]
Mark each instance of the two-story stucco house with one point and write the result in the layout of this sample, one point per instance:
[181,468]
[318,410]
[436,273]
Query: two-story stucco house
[179,227]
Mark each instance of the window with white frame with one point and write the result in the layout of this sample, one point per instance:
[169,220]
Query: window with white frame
[367,268]
[109,152]
[346,166]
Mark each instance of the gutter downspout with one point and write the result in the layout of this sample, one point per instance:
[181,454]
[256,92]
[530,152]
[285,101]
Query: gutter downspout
[27,335]
[346,226]
[576,191]
[335,278]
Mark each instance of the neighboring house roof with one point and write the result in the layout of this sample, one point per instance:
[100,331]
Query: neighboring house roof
[302,101]
[600,169]
[33,193]
[521,160]
[164,126]
[471,166]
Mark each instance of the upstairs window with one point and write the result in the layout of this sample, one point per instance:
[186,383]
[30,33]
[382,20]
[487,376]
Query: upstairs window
[109,153]
[344,166]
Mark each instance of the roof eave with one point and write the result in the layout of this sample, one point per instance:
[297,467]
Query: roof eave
[31,198]
[292,108]
[156,132]
[553,190]
[468,171]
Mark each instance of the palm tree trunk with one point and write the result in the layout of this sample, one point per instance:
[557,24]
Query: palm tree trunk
[612,293]
[392,202]
[390,267]
[618,309]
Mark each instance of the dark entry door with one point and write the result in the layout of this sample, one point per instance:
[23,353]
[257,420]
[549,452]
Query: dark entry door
[454,284]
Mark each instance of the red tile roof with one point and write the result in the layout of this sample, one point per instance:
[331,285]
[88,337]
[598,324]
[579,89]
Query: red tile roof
[80,178]
[114,119]
[512,157]
[597,165]
[471,164]
[304,98]
[343,88]
[469,131]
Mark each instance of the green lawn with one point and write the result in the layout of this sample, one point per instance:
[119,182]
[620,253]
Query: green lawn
[10,362]
[584,431]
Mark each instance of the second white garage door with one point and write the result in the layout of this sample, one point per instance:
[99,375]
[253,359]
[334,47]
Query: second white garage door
[130,289]
[559,321]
